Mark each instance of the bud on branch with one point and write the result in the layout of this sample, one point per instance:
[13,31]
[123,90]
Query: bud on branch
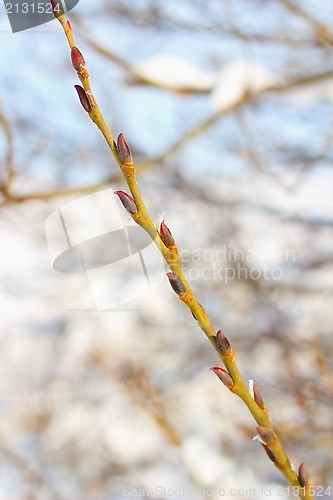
[83,98]
[124,152]
[77,59]
[266,435]
[128,202]
[303,476]
[269,453]
[258,397]
[223,343]
[224,376]
[176,284]
[166,235]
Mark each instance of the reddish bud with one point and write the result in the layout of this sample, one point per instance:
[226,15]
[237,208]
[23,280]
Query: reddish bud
[258,397]
[269,453]
[166,235]
[124,152]
[223,343]
[69,24]
[303,476]
[266,435]
[176,284]
[77,59]
[128,202]
[224,376]
[83,98]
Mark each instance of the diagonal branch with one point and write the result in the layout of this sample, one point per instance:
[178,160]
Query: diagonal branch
[167,246]
[321,29]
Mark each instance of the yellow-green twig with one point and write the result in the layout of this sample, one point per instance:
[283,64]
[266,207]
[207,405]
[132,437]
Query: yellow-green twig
[185,293]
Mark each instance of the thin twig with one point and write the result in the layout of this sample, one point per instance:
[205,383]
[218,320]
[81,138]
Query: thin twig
[165,242]
[33,477]
[9,157]
[321,29]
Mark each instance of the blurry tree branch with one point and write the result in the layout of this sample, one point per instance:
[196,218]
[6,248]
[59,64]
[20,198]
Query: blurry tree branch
[322,31]
[31,476]
[141,390]
[8,171]
[265,180]
[138,78]
[190,134]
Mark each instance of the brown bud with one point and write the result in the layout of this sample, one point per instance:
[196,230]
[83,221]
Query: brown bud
[124,152]
[176,284]
[224,376]
[166,235]
[266,435]
[77,59]
[223,343]
[258,397]
[269,453]
[303,476]
[128,202]
[69,24]
[83,98]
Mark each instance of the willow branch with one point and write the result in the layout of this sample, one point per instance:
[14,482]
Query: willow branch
[164,240]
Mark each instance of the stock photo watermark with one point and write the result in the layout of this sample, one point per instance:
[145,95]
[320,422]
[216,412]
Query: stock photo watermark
[162,491]
[94,239]
[227,264]
[198,491]
[117,261]
[24,15]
